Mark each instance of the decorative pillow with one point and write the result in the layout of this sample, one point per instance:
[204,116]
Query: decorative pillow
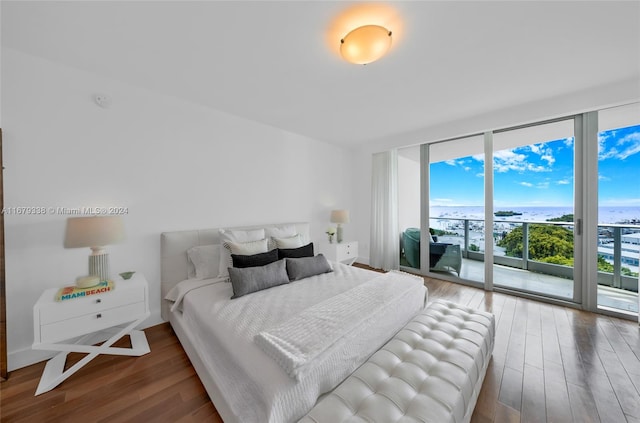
[254,260]
[284,231]
[205,260]
[252,279]
[291,242]
[300,268]
[304,251]
[244,249]
[235,236]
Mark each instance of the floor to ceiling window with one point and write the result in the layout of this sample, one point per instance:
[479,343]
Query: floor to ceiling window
[618,208]
[518,222]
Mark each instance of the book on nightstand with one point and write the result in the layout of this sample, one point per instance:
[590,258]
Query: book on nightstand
[71,292]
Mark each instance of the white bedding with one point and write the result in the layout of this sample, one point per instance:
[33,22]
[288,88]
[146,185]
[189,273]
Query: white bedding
[256,388]
[295,343]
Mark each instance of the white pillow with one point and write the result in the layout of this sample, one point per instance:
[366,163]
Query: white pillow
[235,236]
[291,242]
[284,231]
[205,260]
[247,248]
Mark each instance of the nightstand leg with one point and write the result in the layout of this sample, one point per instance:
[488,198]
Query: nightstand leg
[54,367]
[139,344]
[56,376]
[54,373]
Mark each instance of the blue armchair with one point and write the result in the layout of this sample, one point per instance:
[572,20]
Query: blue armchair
[442,256]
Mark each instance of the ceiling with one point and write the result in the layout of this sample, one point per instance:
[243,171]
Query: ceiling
[278,62]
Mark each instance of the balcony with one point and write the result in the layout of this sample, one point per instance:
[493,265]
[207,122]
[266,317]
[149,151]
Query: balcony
[554,286]
[615,289]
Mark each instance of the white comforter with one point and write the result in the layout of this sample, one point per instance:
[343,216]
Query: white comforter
[296,343]
[256,388]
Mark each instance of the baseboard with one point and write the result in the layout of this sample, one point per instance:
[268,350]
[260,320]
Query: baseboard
[26,357]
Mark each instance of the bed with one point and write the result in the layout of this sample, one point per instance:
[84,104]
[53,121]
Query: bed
[230,342]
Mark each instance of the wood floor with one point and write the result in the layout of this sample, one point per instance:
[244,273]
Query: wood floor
[550,364]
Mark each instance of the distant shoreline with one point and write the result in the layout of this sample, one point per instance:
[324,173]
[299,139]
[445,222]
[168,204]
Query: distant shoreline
[606,214]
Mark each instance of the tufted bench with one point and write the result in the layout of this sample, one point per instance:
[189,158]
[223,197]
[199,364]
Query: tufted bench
[431,371]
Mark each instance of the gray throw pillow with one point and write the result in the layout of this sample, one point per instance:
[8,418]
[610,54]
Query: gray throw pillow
[251,279]
[300,268]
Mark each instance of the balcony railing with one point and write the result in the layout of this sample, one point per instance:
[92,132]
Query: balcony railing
[460,230]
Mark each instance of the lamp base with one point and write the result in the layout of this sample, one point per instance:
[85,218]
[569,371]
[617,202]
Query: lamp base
[99,266]
[339,232]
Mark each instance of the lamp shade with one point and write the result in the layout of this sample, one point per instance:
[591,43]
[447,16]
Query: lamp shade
[365,44]
[340,216]
[94,231]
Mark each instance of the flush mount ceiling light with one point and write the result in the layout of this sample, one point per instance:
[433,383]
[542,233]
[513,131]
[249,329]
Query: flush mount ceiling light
[365,44]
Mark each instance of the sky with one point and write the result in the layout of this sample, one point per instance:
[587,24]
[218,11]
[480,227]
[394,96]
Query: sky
[541,174]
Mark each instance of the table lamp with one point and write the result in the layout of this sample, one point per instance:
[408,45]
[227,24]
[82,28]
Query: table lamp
[95,232]
[339,217]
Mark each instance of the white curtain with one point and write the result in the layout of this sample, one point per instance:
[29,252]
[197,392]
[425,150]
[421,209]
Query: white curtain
[385,236]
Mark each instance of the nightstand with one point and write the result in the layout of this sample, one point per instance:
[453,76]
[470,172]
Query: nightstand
[57,322]
[345,252]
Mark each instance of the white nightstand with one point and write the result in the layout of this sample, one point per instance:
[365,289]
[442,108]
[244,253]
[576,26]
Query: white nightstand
[345,252]
[55,322]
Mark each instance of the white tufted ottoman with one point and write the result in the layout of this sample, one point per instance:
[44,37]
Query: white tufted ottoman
[431,371]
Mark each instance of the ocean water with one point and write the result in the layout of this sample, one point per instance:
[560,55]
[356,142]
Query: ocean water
[621,215]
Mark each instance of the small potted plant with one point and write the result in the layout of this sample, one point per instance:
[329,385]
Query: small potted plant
[331,232]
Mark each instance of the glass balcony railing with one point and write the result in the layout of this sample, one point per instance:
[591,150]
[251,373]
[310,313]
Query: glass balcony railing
[545,249]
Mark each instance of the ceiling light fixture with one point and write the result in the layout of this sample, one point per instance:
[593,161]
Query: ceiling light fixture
[365,44]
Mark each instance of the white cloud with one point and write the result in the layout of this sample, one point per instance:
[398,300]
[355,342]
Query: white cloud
[467,168]
[631,144]
[542,185]
[506,160]
[568,142]
[537,168]
[603,178]
[548,158]
[450,162]
[563,182]
[526,184]
[625,147]
[536,148]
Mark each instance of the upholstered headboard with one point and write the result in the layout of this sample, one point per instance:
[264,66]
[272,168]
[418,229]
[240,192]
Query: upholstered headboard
[174,265]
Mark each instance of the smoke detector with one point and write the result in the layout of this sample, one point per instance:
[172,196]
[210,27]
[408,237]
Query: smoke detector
[102,100]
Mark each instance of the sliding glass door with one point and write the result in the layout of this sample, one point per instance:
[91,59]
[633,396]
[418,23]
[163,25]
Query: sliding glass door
[554,213]
[534,228]
[456,208]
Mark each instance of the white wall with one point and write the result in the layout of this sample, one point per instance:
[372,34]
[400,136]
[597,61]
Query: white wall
[615,93]
[175,165]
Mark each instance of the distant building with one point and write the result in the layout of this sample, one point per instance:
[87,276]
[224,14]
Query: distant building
[631,238]
[630,254]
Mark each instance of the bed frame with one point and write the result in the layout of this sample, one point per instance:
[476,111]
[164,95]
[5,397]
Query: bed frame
[174,268]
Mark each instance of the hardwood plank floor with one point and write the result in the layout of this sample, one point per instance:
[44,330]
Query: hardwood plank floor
[161,386]
[550,364]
